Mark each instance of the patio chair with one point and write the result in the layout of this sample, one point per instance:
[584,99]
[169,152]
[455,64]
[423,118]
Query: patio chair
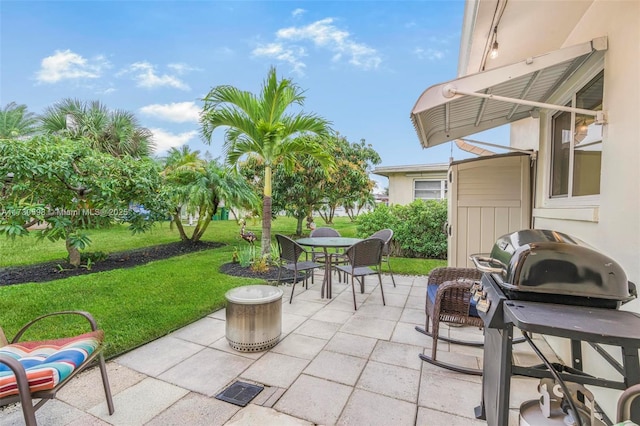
[363,256]
[449,300]
[385,235]
[289,253]
[628,398]
[39,369]
[319,256]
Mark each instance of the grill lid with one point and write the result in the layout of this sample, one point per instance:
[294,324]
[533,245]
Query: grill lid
[544,261]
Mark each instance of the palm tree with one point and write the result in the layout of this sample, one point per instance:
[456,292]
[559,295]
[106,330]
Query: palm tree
[182,160]
[17,122]
[200,186]
[259,125]
[115,132]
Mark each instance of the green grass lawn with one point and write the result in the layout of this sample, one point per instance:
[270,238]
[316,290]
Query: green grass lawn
[137,305]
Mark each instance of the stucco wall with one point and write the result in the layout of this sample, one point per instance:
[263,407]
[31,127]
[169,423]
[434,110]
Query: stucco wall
[616,225]
[612,223]
[401,184]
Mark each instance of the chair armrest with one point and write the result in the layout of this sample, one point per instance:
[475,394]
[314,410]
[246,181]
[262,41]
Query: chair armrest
[454,296]
[86,315]
[21,378]
[441,275]
[625,401]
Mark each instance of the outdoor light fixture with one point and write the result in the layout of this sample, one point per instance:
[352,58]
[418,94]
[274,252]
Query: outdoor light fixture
[494,49]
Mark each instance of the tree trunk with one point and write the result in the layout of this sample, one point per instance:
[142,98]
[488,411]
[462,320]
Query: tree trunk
[299,226]
[266,226]
[74,254]
[202,226]
[266,213]
[178,222]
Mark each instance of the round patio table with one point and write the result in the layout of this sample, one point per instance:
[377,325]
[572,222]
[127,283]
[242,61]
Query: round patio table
[325,243]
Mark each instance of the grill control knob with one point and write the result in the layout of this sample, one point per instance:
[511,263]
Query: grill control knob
[483,305]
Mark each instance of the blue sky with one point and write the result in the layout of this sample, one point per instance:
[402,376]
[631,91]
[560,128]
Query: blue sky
[363,64]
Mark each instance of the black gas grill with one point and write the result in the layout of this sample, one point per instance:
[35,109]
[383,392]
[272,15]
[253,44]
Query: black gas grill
[552,267]
[538,272]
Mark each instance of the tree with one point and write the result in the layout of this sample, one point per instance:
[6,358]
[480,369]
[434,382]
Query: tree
[16,122]
[299,191]
[350,185]
[199,186]
[260,125]
[115,132]
[70,187]
[296,191]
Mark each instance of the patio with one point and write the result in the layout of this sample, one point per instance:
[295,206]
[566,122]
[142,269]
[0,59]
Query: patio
[332,366]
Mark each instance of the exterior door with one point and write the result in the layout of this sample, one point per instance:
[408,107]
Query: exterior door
[488,197]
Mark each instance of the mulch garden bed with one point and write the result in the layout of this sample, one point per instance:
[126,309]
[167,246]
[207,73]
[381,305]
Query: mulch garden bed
[49,271]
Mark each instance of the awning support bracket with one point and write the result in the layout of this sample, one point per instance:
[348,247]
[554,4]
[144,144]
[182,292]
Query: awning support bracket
[532,153]
[600,118]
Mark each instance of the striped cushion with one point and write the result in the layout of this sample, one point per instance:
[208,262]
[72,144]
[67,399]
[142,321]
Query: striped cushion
[47,363]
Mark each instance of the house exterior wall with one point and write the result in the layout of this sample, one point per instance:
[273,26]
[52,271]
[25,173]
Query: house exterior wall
[611,221]
[401,184]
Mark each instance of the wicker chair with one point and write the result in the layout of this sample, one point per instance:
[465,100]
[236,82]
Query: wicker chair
[39,369]
[290,253]
[385,235]
[363,256]
[449,300]
[628,398]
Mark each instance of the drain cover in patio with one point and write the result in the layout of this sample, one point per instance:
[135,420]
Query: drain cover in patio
[240,393]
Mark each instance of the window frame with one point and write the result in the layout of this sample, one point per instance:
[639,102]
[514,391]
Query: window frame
[443,189]
[566,95]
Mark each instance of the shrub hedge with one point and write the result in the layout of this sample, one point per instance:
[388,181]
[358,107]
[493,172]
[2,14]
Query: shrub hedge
[418,228]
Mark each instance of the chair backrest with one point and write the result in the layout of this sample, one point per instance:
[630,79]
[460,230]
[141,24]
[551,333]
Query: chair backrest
[290,251]
[324,232]
[385,235]
[365,253]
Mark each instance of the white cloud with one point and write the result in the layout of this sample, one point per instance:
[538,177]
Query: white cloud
[289,54]
[67,65]
[178,112]
[326,35]
[165,140]
[322,34]
[182,68]
[145,75]
[297,12]
[430,54]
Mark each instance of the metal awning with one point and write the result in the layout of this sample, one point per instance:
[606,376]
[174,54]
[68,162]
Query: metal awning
[489,99]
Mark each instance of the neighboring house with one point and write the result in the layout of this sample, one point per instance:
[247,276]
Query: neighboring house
[567,80]
[409,183]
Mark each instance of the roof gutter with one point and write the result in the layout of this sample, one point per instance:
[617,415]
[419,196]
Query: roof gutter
[468,25]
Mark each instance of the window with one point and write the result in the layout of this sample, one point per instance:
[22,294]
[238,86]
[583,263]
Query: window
[429,189]
[576,150]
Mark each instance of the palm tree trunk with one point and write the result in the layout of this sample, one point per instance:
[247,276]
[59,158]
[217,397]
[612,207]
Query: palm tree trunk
[178,222]
[266,213]
[202,226]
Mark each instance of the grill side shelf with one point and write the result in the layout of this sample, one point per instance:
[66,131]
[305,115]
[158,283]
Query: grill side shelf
[609,326]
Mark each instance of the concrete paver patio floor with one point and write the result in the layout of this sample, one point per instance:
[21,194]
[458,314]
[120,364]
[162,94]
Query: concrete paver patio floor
[333,365]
